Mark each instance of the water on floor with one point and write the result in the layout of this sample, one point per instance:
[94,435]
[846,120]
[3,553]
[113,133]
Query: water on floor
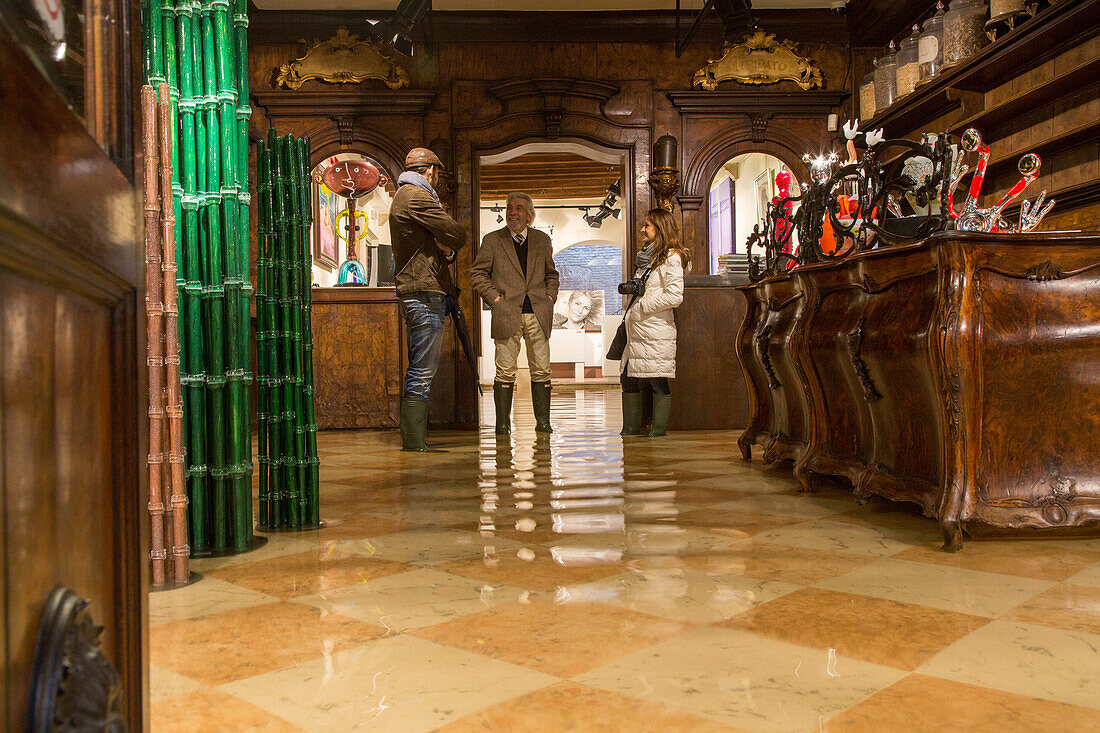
[587,582]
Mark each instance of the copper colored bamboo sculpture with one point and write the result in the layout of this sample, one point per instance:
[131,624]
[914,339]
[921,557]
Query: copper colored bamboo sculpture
[167,500]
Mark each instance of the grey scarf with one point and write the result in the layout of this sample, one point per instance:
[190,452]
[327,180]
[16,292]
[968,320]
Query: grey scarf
[413,178]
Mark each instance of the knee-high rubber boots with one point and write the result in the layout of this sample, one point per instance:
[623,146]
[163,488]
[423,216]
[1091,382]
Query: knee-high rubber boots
[662,408]
[632,413]
[502,401]
[414,425]
[540,397]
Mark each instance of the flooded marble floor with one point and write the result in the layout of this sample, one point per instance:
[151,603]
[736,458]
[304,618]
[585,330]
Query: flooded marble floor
[584,582]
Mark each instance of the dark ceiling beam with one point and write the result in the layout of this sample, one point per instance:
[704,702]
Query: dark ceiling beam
[656,26]
[876,22]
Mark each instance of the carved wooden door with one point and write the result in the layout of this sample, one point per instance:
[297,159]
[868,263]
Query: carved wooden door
[71,411]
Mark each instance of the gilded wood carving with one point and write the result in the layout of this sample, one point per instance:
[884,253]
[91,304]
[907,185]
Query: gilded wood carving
[342,59]
[759,59]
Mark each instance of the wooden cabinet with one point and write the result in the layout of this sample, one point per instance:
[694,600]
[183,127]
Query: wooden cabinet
[960,373]
[358,357]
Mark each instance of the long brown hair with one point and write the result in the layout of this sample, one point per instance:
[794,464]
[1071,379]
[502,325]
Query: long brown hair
[668,238]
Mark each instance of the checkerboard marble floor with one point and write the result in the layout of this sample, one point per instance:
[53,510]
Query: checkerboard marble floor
[587,582]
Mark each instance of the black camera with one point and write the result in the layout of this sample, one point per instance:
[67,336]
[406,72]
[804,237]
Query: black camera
[633,286]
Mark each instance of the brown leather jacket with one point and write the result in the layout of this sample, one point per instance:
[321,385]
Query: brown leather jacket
[416,222]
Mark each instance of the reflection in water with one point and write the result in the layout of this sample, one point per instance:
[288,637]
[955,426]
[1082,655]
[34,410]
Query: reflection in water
[575,484]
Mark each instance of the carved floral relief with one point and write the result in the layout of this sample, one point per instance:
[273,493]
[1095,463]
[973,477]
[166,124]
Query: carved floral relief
[759,59]
[342,59]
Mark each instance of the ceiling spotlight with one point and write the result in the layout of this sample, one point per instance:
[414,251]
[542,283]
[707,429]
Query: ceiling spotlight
[398,30]
[606,208]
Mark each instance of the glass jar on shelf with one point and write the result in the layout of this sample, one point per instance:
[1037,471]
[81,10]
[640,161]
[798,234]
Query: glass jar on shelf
[930,46]
[963,30]
[908,67]
[1005,8]
[886,79]
[867,96]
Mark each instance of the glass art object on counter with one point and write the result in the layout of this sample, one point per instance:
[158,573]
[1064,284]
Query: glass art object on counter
[974,218]
[886,79]
[867,96]
[908,66]
[352,179]
[963,30]
[930,46]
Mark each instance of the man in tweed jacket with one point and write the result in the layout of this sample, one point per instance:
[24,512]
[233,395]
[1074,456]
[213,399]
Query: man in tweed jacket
[514,274]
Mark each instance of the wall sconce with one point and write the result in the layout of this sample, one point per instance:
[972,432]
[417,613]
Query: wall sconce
[665,178]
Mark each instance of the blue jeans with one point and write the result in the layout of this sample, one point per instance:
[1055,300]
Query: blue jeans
[425,317]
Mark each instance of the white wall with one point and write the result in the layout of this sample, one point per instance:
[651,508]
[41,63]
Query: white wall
[568,224]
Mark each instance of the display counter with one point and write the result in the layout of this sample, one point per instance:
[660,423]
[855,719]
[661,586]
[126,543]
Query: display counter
[961,373]
[705,394]
[358,357]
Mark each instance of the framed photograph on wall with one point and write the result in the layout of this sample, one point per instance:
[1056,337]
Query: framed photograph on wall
[326,207]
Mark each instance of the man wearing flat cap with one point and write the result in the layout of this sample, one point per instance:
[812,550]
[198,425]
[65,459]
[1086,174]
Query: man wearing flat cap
[425,239]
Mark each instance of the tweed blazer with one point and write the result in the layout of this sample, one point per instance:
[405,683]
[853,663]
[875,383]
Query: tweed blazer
[496,271]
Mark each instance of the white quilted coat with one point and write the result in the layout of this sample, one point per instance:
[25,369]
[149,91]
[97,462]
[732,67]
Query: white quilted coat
[650,328]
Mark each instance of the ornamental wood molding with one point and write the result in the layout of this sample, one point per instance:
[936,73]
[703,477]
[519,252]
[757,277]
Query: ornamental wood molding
[759,59]
[817,103]
[355,102]
[342,59]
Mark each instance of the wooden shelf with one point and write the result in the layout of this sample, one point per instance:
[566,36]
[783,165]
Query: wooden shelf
[1071,138]
[1067,82]
[1065,198]
[1028,46]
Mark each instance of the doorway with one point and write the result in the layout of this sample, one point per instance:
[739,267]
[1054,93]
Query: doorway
[582,204]
[738,200]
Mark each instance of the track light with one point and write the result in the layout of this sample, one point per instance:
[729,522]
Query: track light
[398,30]
[606,208]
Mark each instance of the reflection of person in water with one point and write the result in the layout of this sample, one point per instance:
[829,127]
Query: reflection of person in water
[580,313]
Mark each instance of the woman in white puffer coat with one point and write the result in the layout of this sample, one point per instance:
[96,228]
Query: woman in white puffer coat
[650,355]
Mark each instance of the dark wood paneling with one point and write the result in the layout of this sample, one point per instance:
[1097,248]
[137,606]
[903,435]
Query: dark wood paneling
[709,392]
[501,80]
[71,395]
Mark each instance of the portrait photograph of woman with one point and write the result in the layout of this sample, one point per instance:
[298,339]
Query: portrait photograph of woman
[579,310]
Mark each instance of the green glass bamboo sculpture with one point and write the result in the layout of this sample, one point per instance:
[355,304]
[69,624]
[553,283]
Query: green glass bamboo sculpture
[199,49]
[287,444]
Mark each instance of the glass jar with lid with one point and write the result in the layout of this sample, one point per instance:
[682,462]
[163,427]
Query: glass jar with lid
[963,30]
[867,96]
[886,79]
[999,9]
[930,47]
[908,68]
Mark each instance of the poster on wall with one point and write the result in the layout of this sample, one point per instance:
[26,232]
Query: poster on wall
[324,234]
[579,310]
